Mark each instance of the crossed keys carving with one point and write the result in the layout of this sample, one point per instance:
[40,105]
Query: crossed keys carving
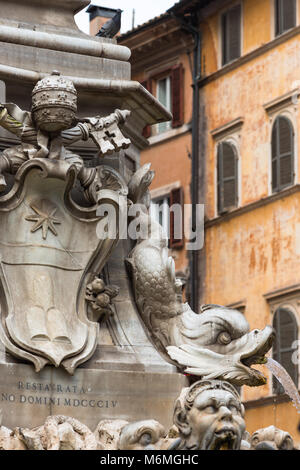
[106,133]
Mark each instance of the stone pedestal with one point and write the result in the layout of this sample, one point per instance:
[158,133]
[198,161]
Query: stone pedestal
[27,398]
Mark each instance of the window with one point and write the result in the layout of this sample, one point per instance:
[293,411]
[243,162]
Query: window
[168,88]
[168,212]
[163,93]
[286,330]
[227,177]
[285,15]
[159,211]
[231,34]
[282,153]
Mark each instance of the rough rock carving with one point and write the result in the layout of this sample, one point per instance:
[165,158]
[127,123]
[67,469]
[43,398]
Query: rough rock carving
[59,433]
[107,433]
[214,343]
[271,438]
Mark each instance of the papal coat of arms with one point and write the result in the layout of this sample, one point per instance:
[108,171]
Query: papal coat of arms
[49,244]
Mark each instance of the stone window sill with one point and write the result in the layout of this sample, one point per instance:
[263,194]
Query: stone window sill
[169,134]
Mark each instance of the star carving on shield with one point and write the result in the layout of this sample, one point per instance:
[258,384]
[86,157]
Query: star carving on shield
[44,217]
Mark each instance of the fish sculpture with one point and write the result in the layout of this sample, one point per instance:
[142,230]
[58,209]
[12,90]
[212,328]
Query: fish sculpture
[215,343]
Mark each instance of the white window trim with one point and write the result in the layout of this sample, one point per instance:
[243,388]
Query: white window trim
[162,191]
[168,105]
[154,212]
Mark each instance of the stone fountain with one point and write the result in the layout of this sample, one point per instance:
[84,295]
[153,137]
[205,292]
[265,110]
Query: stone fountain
[94,333]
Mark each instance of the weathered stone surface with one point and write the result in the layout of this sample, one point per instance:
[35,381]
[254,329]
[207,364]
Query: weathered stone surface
[142,435]
[59,433]
[108,432]
[11,440]
[271,438]
[91,395]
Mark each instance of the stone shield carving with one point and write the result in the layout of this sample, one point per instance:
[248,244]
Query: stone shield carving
[49,251]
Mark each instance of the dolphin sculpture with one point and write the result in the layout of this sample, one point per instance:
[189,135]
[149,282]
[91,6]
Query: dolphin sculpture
[215,343]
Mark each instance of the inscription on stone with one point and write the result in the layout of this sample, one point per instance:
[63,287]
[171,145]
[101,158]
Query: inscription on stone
[36,393]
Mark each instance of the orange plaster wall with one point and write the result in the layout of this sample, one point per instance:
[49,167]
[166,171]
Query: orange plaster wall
[283,416]
[257,23]
[242,93]
[210,40]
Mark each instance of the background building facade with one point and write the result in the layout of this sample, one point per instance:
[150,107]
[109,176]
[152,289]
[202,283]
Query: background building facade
[249,91]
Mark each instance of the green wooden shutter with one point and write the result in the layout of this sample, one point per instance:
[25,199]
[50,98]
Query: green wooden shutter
[227,177]
[286,329]
[231,34]
[282,154]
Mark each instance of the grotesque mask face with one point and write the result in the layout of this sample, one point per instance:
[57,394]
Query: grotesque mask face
[212,419]
[216,420]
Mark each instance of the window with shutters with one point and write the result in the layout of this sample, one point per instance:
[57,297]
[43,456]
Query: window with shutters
[286,329]
[227,173]
[285,15]
[167,210]
[231,34]
[282,153]
[168,87]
